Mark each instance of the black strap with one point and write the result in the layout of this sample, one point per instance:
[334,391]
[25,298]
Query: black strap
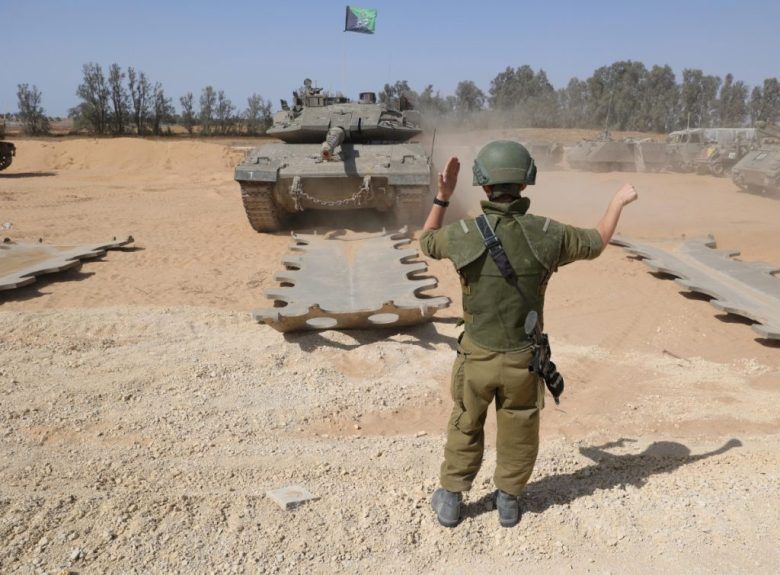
[496,250]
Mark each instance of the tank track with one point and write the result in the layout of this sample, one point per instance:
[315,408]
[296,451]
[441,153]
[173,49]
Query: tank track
[261,209]
[410,205]
[5,160]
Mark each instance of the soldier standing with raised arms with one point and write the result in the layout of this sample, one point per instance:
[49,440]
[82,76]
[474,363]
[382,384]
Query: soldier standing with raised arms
[494,351]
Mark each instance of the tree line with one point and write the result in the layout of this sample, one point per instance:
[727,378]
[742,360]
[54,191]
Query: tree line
[123,102]
[625,95]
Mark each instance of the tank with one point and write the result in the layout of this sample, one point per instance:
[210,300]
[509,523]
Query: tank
[336,154]
[605,154]
[759,170]
[7,150]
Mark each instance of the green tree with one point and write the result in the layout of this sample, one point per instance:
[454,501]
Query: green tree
[468,98]
[31,113]
[93,111]
[615,91]
[765,102]
[257,115]
[430,103]
[573,105]
[162,109]
[187,112]
[224,112]
[141,96]
[208,105]
[393,95]
[119,99]
[698,96]
[732,102]
[527,96]
[660,95]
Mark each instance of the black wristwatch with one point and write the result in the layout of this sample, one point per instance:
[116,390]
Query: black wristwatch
[442,203]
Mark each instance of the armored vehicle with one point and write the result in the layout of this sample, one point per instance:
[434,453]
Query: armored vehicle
[336,154]
[759,169]
[718,159]
[707,150]
[606,155]
[7,150]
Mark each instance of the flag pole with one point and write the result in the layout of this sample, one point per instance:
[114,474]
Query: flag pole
[343,64]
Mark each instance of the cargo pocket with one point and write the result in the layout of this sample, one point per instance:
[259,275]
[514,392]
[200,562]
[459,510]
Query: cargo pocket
[457,377]
[541,389]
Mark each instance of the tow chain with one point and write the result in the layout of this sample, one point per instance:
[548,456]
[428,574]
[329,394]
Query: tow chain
[362,196]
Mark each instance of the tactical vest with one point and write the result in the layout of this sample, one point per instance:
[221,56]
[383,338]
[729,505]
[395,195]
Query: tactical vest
[493,311]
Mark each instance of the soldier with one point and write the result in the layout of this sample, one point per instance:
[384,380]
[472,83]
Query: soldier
[494,351]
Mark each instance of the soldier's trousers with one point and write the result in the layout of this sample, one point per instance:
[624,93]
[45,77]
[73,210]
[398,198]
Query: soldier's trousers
[479,378]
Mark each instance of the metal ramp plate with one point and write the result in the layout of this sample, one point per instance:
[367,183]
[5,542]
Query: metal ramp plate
[21,263]
[350,281]
[743,288]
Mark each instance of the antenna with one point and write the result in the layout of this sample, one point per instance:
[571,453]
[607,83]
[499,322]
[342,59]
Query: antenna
[609,105]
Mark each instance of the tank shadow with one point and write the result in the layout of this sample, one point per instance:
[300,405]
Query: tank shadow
[27,175]
[607,472]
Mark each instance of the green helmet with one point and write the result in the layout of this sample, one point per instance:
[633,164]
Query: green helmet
[504,162]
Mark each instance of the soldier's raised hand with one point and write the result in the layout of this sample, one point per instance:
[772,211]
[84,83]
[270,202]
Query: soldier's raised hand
[626,194]
[448,178]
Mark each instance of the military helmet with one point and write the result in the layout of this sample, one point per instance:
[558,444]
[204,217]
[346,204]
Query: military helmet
[504,162]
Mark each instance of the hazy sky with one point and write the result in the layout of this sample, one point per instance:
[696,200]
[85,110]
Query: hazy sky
[269,47]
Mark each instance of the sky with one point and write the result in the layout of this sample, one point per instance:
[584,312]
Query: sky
[269,47]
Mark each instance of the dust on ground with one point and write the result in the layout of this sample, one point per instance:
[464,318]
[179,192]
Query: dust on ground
[144,414]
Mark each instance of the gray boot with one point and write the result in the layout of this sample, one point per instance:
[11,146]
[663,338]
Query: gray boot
[446,504]
[508,509]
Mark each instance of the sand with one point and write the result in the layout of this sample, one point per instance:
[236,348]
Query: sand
[145,415]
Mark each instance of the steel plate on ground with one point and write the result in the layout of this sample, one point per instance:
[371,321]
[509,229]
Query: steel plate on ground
[350,281]
[743,288]
[22,262]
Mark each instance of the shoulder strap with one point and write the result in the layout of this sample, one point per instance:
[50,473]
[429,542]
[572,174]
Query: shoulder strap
[496,251]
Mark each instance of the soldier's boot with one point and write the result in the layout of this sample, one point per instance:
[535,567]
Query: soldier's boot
[508,509]
[446,504]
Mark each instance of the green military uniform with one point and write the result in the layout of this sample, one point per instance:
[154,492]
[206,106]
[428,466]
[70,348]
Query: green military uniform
[494,352]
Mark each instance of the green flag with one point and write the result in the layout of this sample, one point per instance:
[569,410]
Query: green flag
[360,20]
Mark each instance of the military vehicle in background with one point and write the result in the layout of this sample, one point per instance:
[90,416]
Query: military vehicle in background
[336,154]
[546,154]
[7,150]
[608,155]
[759,169]
[707,150]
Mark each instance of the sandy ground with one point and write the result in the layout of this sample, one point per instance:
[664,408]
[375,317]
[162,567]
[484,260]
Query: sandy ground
[145,415]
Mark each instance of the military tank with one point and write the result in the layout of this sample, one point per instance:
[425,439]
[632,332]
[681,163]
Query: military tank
[605,154]
[7,150]
[759,170]
[336,154]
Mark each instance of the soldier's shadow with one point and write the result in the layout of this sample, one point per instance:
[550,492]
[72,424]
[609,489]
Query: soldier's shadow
[607,472]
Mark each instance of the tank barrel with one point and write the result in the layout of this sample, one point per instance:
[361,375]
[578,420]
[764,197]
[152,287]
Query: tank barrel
[333,140]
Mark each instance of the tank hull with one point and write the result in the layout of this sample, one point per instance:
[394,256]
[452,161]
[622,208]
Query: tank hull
[621,156]
[281,179]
